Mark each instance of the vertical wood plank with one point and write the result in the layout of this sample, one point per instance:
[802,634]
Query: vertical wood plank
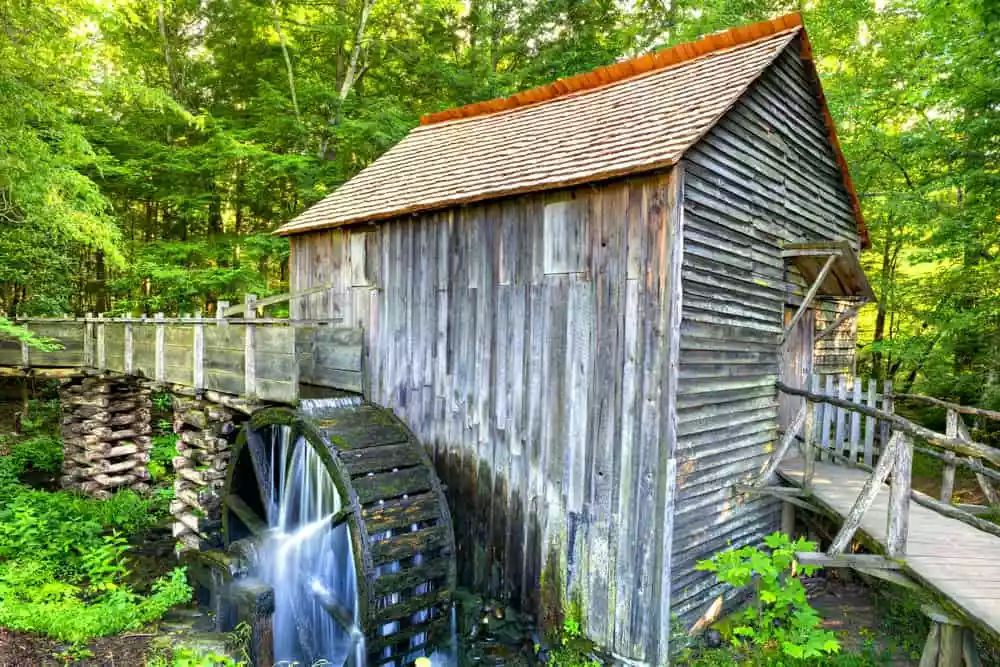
[673,293]
[129,345]
[841,433]
[161,349]
[198,353]
[899,499]
[828,419]
[870,424]
[250,346]
[855,421]
[887,405]
[88,341]
[25,353]
[808,445]
[948,470]
[102,350]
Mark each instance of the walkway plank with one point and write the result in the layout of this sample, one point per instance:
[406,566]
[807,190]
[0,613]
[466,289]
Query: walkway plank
[953,558]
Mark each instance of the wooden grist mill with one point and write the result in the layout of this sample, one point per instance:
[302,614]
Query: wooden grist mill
[565,316]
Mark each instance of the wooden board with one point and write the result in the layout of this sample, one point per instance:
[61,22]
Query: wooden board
[954,559]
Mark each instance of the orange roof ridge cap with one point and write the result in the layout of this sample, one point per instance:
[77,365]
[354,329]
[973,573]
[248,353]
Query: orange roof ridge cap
[626,69]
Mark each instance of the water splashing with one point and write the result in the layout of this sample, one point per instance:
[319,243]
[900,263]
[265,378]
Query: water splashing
[303,557]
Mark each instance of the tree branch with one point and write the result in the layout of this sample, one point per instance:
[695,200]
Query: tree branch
[288,60]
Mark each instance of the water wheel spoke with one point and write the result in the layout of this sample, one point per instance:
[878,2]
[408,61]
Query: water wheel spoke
[338,611]
[254,523]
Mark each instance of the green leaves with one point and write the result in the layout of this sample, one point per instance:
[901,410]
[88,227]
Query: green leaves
[781,615]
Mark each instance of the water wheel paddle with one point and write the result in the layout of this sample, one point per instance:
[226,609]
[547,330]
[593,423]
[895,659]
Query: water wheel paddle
[349,525]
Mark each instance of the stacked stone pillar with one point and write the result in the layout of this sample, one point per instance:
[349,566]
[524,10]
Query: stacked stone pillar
[106,434]
[205,431]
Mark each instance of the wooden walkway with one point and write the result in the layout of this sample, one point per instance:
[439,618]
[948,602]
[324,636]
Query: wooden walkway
[953,559]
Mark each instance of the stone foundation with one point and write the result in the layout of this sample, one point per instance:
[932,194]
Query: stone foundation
[206,432]
[106,434]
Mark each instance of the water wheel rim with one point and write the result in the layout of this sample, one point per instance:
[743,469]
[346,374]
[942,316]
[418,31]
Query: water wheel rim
[335,449]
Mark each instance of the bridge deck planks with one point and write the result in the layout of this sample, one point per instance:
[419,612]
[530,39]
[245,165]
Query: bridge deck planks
[952,558]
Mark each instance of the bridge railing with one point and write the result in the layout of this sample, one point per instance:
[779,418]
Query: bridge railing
[257,358]
[894,459]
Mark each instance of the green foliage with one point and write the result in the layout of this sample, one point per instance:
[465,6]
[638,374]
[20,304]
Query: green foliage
[574,649]
[188,657]
[780,615]
[63,561]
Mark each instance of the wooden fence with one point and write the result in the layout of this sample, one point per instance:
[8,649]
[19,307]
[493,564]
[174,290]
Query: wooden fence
[839,431]
[263,359]
[956,448]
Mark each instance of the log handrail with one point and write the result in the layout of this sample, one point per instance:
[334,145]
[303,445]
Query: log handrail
[962,409]
[896,460]
[954,444]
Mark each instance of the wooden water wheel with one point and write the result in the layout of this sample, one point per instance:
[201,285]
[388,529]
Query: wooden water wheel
[395,509]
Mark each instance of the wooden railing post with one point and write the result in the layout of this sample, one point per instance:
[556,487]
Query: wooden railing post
[855,421]
[887,406]
[198,354]
[250,346]
[102,359]
[129,345]
[865,499]
[808,446]
[25,351]
[899,497]
[160,355]
[948,471]
[870,424]
[88,341]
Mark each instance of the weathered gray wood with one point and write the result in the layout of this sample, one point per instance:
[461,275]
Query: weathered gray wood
[808,444]
[810,295]
[250,348]
[865,499]
[932,647]
[129,352]
[786,442]
[948,469]
[887,407]
[833,326]
[867,561]
[962,409]
[970,652]
[945,555]
[827,422]
[870,422]
[161,350]
[102,360]
[950,654]
[198,353]
[899,499]
[855,421]
[840,434]
[983,474]
[899,423]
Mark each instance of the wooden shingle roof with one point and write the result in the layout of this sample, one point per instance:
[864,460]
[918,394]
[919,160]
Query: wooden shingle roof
[626,118]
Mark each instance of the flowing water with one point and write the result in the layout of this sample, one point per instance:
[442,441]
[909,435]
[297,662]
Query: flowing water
[307,561]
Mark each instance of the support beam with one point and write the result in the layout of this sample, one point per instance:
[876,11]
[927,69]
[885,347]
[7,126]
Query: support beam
[868,561]
[793,431]
[810,295]
[850,313]
[865,499]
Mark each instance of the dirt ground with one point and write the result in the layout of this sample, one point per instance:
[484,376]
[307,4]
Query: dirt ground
[21,649]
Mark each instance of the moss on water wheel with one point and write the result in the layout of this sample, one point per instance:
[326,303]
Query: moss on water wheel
[395,508]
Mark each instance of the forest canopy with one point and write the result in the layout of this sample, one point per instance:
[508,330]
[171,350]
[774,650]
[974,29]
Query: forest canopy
[148,148]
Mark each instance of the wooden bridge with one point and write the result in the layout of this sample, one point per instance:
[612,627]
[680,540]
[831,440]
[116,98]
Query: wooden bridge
[254,358]
[917,541]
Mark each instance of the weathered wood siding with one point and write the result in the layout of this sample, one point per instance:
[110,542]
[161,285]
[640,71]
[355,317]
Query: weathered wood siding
[526,343]
[763,175]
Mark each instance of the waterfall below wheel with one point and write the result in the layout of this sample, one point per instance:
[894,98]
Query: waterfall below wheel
[336,508]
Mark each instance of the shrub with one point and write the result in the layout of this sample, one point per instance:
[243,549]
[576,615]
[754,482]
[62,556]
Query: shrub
[781,615]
